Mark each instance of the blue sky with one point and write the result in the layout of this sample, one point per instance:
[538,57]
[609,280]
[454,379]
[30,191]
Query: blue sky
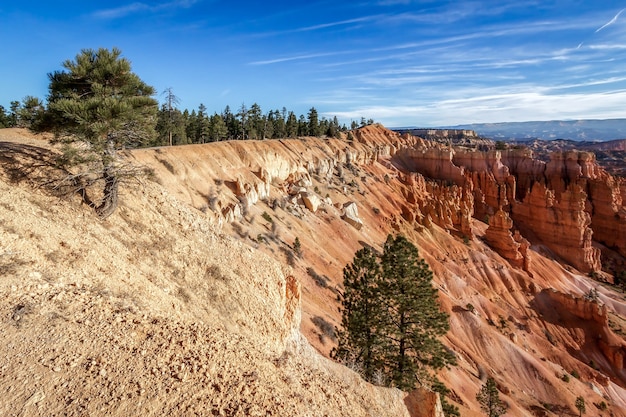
[400,62]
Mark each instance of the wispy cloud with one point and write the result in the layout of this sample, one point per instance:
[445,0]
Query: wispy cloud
[311,28]
[610,22]
[138,7]
[293,58]
[520,106]
[332,24]
[604,47]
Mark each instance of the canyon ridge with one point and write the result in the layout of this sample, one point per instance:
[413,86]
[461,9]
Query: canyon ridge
[192,300]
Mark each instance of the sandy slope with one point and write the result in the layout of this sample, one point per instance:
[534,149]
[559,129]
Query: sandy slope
[151,312]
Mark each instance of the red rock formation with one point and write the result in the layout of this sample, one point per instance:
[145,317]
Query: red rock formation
[611,345]
[568,167]
[448,206]
[524,245]
[435,163]
[526,169]
[608,215]
[562,225]
[499,237]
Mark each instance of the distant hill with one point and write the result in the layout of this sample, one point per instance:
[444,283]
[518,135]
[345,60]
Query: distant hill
[578,130]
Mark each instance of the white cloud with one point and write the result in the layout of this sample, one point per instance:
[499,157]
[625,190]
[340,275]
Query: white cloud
[610,22]
[138,7]
[512,107]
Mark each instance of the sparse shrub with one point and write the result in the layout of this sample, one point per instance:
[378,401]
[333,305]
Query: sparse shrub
[297,247]
[275,232]
[320,280]
[469,307]
[565,378]
[291,259]
[602,406]
[326,328]
[580,405]
[240,231]
[267,217]
[183,294]
[317,190]
[575,374]
[550,337]
[168,165]
[215,272]
[592,295]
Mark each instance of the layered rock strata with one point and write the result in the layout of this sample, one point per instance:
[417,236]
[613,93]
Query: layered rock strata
[499,237]
[562,224]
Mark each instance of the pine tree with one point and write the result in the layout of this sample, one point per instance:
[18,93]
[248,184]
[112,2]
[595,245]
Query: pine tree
[489,399]
[390,317]
[203,125]
[313,122]
[101,103]
[359,342]
[5,121]
[31,113]
[171,100]
[580,406]
[217,128]
[171,127]
[412,319]
[291,125]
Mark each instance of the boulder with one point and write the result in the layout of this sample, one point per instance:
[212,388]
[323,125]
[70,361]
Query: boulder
[311,201]
[351,215]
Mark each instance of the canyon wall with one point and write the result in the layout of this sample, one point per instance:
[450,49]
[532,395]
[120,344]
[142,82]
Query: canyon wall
[564,203]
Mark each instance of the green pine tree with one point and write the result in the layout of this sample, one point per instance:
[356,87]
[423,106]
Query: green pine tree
[359,341]
[489,399]
[413,321]
[313,122]
[98,101]
[390,316]
[5,121]
[580,405]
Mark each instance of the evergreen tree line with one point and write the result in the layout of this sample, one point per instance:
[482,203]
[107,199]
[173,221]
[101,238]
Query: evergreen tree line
[27,113]
[176,127]
[391,320]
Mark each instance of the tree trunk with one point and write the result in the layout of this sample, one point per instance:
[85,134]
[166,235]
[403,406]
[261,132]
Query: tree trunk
[111,183]
[110,194]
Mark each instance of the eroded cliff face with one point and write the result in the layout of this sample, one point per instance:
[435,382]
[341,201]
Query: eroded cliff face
[336,196]
[567,203]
